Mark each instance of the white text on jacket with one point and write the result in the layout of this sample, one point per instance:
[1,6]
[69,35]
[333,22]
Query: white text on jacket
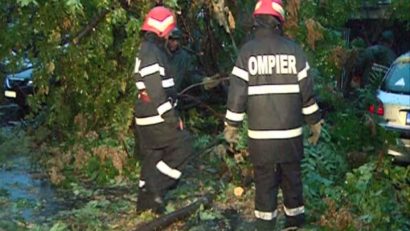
[269,64]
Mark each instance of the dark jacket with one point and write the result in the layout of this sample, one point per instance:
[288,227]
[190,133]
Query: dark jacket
[183,67]
[374,63]
[155,116]
[271,84]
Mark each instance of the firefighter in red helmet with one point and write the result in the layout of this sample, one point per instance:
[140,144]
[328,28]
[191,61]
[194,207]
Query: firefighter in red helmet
[270,82]
[165,145]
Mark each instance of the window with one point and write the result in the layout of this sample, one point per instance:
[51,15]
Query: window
[398,79]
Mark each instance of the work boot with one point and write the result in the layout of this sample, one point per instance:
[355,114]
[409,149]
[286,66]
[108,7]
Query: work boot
[149,201]
[264,225]
[294,222]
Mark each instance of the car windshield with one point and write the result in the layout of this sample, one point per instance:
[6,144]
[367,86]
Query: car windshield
[16,64]
[398,79]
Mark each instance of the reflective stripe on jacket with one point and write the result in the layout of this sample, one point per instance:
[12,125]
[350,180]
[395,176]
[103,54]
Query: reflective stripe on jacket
[155,115]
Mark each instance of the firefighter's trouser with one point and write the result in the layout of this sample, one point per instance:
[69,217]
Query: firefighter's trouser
[268,179]
[161,170]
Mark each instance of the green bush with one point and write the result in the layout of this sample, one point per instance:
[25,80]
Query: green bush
[373,195]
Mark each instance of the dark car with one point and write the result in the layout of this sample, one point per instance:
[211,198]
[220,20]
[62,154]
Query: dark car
[18,81]
[394,105]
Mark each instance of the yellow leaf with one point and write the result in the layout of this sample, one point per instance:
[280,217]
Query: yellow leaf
[50,67]
[231,20]
[238,191]
[123,86]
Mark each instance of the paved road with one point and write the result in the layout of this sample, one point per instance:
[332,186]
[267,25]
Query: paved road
[9,112]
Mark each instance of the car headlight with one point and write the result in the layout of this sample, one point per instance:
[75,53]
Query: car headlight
[30,83]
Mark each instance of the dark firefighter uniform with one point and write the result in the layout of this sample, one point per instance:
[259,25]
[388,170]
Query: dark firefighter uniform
[270,83]
[375,61]
[182,62]
[162,139]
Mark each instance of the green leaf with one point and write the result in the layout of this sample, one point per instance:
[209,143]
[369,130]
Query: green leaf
[59,226]
[206,215]
[24,3]
[74,5]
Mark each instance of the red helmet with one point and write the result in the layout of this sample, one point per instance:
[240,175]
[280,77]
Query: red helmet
[271,7]
[159,20]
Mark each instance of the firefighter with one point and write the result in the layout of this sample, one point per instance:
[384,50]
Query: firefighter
[270,82]
[374,61]
[164,143]
[190,81]
[183,62]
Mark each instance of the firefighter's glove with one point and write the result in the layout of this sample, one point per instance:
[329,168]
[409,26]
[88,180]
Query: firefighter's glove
[315,130]
[209,82]
[231,134]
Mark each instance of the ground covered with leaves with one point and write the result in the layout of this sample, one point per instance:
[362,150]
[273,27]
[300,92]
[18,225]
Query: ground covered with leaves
[346,187]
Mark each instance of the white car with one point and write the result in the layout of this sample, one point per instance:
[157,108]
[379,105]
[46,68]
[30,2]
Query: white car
[394,105]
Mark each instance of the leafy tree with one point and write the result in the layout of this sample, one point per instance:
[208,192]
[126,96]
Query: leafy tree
[84,52]
[85,49]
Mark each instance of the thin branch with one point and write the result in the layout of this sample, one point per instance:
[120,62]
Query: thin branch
[90,26]
[204,105]
[214,79]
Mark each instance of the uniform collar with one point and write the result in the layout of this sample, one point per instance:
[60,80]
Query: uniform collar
[266,32]
[152,37]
